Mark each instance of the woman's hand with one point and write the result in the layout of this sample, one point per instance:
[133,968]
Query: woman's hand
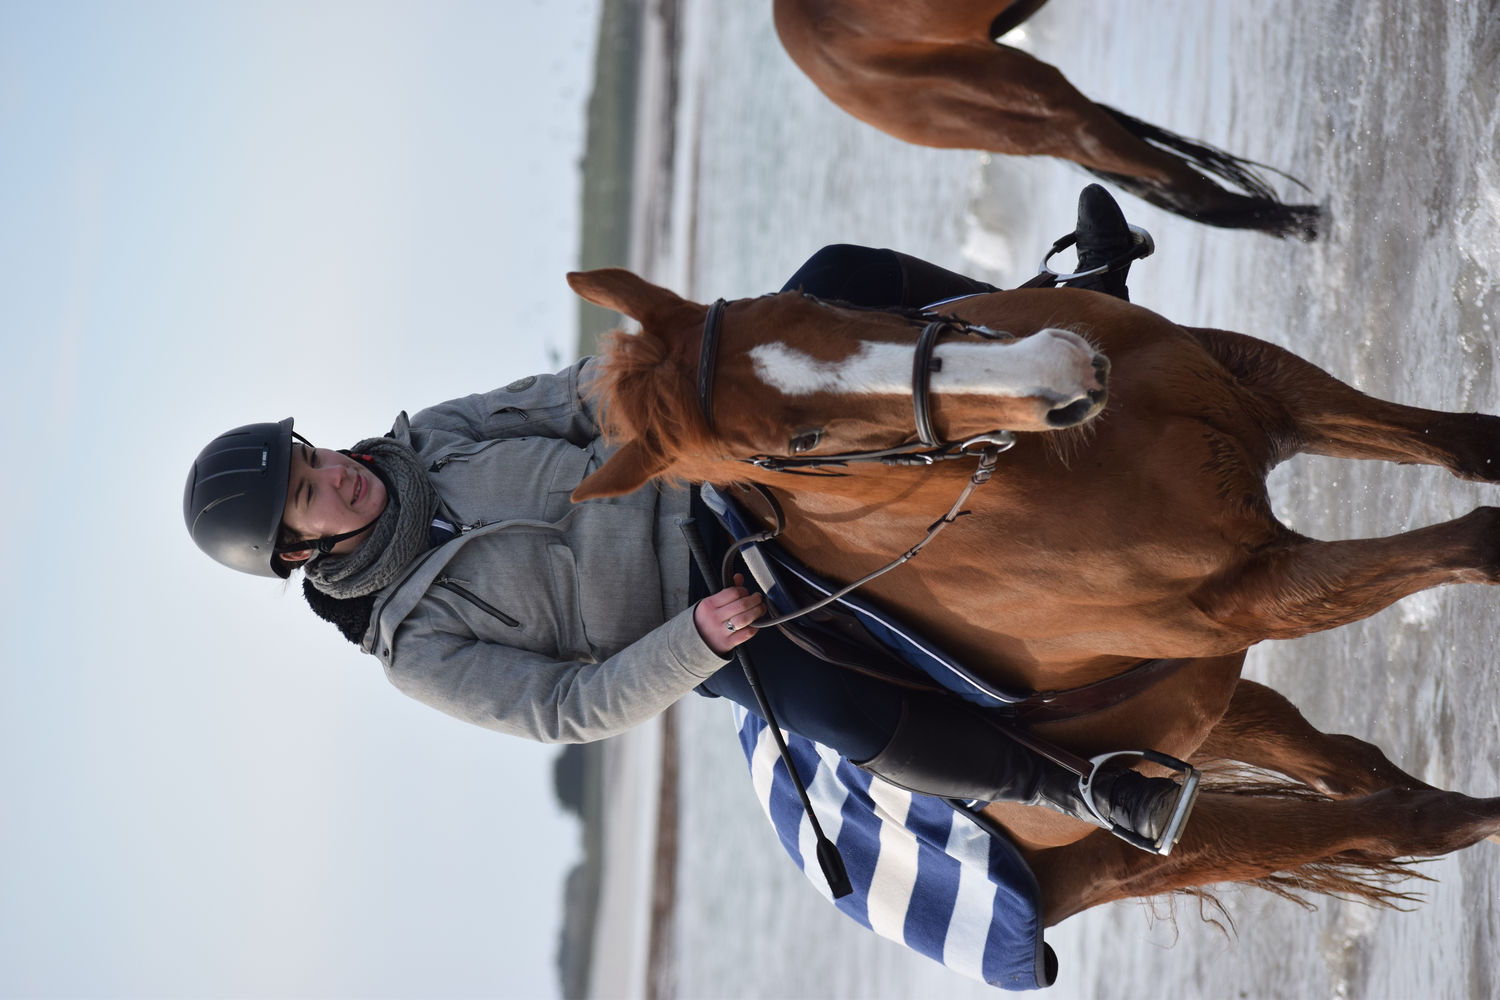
[723,619]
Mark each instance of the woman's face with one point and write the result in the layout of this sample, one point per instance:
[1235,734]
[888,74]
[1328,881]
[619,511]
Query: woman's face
[327,494]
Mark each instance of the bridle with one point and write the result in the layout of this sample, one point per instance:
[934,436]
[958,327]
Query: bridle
[926,450]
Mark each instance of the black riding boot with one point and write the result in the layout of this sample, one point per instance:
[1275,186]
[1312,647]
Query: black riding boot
[1104,237]
[946,748]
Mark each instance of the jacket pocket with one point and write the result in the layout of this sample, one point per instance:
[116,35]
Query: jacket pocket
[454,586]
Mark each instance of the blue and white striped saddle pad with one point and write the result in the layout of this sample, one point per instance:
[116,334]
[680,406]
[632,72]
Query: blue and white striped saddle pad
[926,874]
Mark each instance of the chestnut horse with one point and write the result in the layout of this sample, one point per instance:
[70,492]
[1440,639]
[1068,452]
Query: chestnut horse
[930,72]
[1128,522]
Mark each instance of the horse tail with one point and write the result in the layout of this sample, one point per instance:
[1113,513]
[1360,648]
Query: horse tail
[1364,880]
[1257,208]
[1351,875]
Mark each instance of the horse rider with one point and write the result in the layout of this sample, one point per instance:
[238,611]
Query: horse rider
[487,594]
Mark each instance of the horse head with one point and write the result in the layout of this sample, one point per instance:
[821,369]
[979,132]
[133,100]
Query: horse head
[791,375]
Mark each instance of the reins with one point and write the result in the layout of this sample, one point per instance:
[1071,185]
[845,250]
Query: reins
[988,459]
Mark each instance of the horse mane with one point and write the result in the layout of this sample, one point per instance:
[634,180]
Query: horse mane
[1351,875]
[640,383]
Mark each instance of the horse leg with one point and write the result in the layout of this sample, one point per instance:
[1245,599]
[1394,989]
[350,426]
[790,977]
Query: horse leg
[1294,585]
[1298,586]
[1304,409]
[1001,99]
[935,78]
[1262,728]
[1232,838]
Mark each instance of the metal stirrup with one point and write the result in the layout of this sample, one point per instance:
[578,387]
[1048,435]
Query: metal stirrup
[1186,794]
[1142,245]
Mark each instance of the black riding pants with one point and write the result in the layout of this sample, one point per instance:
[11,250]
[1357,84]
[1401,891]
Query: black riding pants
[879,279]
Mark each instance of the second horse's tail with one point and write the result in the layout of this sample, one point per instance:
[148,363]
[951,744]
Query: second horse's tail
[1254,206]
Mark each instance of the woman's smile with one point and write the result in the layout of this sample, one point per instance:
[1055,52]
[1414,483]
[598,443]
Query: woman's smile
[329,493]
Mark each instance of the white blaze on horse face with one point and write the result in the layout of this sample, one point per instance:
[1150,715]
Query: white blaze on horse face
[1055,365]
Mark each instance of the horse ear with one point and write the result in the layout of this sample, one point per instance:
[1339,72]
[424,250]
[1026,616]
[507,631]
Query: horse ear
[626,471]
[618,289]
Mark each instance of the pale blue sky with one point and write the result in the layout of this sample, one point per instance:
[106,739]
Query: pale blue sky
[213,213]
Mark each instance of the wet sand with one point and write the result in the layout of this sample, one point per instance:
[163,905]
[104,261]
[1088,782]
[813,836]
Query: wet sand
[622,940]
[634,947]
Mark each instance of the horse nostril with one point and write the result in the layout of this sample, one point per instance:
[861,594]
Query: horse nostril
[1101,368]
[1077,411]
[1067,416]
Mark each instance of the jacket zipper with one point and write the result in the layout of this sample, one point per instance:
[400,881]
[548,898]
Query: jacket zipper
[411,570]
[437,466]
[479,602]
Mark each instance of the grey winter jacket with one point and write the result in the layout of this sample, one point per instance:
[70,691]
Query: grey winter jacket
[556,621]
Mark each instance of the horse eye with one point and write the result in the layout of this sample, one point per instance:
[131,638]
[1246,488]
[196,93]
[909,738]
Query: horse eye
[806,441]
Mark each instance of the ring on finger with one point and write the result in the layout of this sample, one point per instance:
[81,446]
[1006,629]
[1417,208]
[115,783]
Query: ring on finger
[729,625]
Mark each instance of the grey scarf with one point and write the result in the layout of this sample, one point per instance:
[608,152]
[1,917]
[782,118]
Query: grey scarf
[401,533]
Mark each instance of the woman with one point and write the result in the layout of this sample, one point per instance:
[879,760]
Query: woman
[450,550]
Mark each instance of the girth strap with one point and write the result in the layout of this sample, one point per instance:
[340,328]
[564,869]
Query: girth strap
[1049,706]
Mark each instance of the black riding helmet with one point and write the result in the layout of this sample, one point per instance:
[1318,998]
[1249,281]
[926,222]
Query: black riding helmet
[235,495]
